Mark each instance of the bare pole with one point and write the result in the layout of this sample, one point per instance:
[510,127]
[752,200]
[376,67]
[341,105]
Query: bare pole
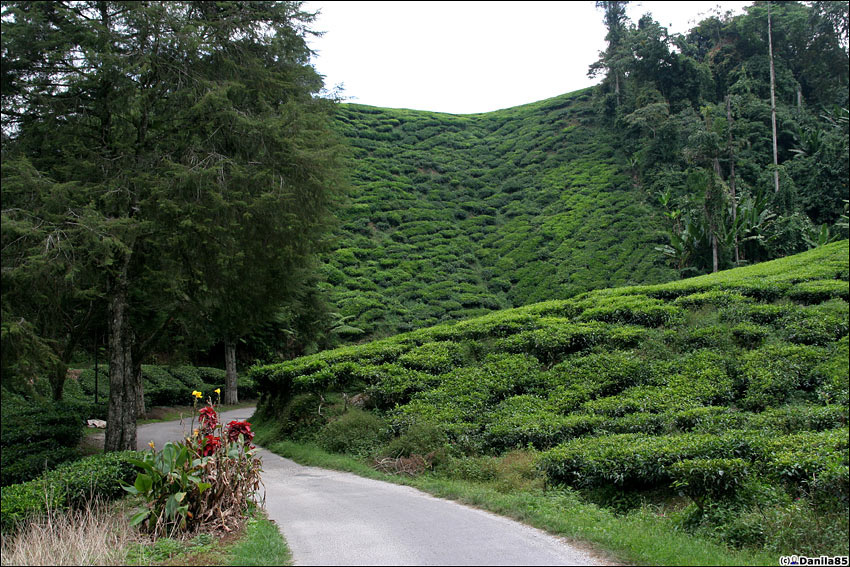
[773,101]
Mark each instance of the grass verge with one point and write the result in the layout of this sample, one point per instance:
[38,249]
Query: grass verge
[643,536]
[259,542]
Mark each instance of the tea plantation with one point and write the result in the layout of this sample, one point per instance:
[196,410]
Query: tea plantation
[452,216]
[722,397]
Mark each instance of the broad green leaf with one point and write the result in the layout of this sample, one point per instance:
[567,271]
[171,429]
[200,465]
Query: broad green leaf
[143,483]
[139,517]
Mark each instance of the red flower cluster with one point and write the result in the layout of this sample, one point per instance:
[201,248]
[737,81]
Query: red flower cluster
[211,445]
[209,419]
[237,428]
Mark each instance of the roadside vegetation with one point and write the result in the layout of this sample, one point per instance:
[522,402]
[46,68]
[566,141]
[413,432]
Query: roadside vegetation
[188,501]
[716,405]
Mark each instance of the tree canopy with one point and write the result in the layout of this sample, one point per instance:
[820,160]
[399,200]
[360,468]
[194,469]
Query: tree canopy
[174,158]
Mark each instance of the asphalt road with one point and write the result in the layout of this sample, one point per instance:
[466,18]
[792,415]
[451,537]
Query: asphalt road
[337,518]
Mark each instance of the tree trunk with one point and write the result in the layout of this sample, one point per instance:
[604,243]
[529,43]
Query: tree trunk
[714,261]
[230,393]
[773,102]
[140,388]
[121,417]
[732,177]
[57,381]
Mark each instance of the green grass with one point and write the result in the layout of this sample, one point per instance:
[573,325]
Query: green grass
[262,544]
[258,543]
[643,536]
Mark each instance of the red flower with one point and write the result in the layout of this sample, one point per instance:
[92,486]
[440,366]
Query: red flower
[237,428]
[209,419]
[211,445]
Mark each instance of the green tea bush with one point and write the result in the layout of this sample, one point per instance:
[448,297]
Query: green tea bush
[435,358]
[712,336]
[525,420]
[817,324]
[555,339]
[635,460]
[715,297]
[630,309]
[749,335]
[709,478]
[708,419]
[35,436]
[603,374]
[758,313]
[772,374]
[818,291]
[799,418]
[835,387]
[69,485]
[355,432]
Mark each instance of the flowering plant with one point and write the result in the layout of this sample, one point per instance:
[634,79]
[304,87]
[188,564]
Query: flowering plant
[205,481]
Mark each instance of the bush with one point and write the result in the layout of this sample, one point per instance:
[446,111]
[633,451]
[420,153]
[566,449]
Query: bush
[355,432]
[709,478]
[635,460]
[421,438]
[773,373]
[36,435]
[70,485]
[749,335]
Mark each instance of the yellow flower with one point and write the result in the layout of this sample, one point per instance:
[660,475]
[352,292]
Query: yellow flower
[150,444]
[196,433]
[197,394]
[217,391]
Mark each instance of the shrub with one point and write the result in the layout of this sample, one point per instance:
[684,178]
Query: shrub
[36,435]
[420,438]
[816,325]
[634,460]
[436,357]
[522,420]
[630,309]
[773,373]
[355,432]
[709,478]
[69,485]
[749,335]
[835,387]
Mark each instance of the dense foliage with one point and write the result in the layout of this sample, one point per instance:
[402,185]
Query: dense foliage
[71,485]
[206,481]
[37,435]
[168,171]
[695,115]
[453,216]
[720,385]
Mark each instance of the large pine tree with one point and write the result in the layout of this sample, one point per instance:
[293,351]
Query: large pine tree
[184,159]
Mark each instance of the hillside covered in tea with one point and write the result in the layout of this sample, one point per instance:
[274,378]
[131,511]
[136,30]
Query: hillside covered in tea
[453,216]
[731,388]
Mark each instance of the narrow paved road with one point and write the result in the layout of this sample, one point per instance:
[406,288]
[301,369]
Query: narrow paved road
[336,518]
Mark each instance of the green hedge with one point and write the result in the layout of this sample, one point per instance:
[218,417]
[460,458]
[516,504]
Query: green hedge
[69,485]
[35,436]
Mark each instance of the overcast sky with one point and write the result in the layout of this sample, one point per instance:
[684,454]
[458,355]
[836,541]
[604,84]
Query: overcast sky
[467,57]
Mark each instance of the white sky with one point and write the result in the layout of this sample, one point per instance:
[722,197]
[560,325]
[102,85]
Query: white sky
[467,57]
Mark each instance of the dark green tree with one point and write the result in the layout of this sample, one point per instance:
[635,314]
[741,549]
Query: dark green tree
[199,155]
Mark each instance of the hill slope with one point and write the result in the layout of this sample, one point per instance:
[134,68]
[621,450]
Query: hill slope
[453,216]
[725,383]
